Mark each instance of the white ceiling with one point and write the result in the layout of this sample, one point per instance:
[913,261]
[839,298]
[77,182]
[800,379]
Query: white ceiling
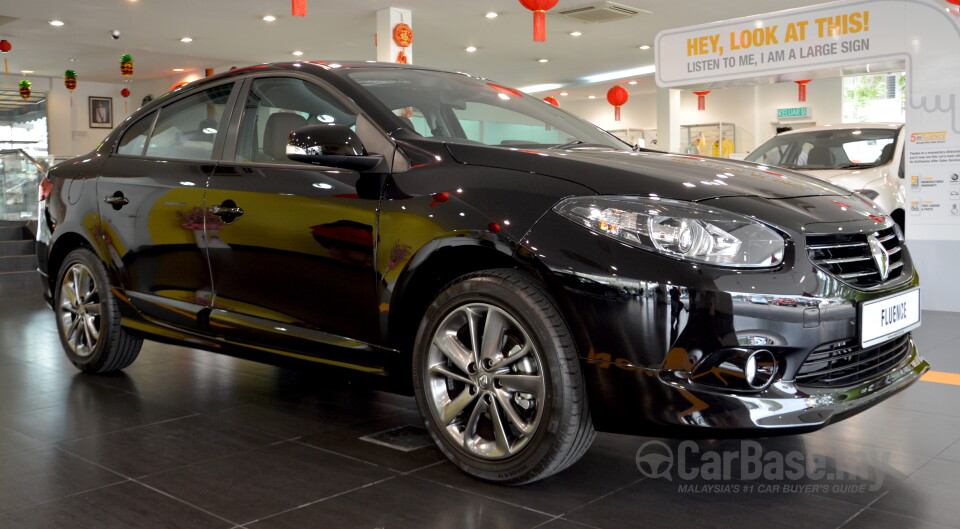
[231,32]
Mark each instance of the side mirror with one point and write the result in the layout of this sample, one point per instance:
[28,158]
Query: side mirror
[330,145]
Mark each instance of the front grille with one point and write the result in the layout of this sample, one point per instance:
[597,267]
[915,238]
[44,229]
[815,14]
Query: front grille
[848,257]
[844,363]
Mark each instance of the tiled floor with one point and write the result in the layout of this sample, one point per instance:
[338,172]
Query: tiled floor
[186,438]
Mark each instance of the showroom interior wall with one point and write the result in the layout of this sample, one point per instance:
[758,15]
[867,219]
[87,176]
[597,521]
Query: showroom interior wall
[753,109]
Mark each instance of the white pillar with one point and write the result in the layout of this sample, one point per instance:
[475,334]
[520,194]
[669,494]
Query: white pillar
[668,120]
[387,19]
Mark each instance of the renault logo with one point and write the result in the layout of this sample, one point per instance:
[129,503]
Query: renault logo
[880,256]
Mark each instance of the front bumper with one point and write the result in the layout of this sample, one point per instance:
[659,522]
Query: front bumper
[645,324]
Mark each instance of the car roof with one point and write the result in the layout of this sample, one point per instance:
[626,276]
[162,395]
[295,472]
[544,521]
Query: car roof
[844,126]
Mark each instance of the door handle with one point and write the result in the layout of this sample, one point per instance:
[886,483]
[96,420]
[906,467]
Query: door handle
[117,200]
[221,211]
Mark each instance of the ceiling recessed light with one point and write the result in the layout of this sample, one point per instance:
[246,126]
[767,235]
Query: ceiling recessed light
[632,82]
[298,53]
[575,33]
[178,69]
[591,97]
[644,47]
[269,18]
[564,94]
[543,60]
[471,49]
[492,14]
[56,23]
[186,39]
[73,59]
[26,71]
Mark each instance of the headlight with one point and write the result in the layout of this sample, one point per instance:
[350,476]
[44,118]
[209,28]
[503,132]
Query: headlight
[683,230]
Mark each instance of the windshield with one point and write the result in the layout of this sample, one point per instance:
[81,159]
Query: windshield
[829,149]
[463,109]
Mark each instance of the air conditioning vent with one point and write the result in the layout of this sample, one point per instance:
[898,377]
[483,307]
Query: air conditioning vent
[601,12]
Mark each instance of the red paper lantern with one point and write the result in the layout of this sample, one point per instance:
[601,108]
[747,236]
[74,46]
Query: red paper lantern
[617,96]
[802,88]
[5,47]
[125,92]
[702,99]
[552,100]
[539,8]
[298,8]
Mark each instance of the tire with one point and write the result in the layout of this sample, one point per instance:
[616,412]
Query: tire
[514,412]
[88,318]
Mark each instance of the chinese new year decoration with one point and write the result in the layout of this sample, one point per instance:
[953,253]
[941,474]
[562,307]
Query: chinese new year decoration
[5,48]
[125,93]
[403,37]
[70,80]
[617,96]
[539,8]
[552,100]
[702,99]
[25,89]
[126,65]
[802,89]
[298,8]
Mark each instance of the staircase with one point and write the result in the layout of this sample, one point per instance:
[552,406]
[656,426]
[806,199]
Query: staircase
[17,248]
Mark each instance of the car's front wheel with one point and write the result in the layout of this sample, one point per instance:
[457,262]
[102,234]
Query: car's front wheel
[498,380]
[88,318]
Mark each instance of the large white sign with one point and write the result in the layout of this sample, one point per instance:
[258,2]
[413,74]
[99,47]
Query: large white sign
[922,35]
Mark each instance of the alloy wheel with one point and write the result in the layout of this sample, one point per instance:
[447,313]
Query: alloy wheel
[80,310]
[485,381]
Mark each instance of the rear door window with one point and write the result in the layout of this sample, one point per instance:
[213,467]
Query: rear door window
[188,129]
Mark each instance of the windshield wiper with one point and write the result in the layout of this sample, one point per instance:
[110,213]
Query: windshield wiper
[568,144]
[857,166]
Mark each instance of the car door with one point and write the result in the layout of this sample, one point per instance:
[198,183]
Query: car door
[293,248]
[152,210]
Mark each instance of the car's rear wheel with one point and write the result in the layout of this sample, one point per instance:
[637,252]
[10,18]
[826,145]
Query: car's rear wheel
[498,380]
[88,318]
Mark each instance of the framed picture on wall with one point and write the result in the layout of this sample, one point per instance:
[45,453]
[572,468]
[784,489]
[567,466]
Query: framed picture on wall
[101,112]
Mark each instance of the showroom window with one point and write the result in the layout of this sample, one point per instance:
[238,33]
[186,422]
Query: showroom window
[875,98]
[188,128]
[275,106]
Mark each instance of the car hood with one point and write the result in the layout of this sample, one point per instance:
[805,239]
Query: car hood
[850,179]
[643,173]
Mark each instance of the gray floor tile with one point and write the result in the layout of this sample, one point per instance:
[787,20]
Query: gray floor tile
[136,452]
[406,503]
[47,474]
[257,483]
[120,506]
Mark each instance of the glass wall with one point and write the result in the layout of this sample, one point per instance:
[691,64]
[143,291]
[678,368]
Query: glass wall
[875,98]
[23,122]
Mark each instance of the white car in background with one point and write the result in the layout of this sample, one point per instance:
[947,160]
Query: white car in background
[864,157]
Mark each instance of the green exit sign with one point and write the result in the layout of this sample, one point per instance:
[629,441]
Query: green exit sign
[794,113]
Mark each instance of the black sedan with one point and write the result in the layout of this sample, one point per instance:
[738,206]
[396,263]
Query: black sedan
[528,275]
